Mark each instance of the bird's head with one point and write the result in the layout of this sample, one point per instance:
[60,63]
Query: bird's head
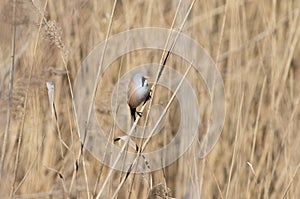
[140,79]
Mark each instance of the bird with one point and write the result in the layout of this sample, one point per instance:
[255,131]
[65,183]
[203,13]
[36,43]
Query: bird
[138,92]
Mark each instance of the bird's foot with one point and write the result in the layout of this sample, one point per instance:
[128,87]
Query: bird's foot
[139,113]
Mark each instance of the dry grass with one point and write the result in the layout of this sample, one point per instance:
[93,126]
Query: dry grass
[256,47]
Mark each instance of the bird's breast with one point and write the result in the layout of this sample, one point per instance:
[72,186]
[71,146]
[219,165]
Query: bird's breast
[137,96]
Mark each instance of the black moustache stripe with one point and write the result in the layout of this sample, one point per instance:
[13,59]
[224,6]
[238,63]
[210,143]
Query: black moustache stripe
[143,81]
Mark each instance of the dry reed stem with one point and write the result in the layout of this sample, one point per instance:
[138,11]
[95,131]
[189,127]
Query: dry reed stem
[95,89]
[290,48]
[216,181]
[25,108]
[100,66]
[256,128]
[264,34]
[31,166]
[291,181]
[143,107]
[22,124]
[11,85]
[161,61]
[156,125]
[235,145]
[261,43]
[61,176]
[159,73]
[99,69]
[20,135]
[51,31]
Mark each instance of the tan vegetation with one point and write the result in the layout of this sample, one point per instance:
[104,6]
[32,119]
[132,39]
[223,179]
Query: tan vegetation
[255,45]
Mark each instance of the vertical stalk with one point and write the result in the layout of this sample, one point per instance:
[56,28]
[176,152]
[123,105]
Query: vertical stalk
[11,83]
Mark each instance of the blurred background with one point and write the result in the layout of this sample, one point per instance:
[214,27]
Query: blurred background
[255,46]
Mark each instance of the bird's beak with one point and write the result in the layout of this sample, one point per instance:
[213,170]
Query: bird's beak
[147,77]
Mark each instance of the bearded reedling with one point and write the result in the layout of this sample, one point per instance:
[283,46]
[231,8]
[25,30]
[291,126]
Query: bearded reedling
[138,92]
